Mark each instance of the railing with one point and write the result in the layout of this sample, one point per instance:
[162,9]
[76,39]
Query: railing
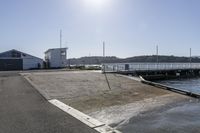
[116,67]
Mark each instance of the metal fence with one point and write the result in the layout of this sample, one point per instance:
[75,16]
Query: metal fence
[116,67]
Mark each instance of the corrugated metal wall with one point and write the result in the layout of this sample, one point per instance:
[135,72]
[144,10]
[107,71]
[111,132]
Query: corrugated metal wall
[11,64]
[32,63]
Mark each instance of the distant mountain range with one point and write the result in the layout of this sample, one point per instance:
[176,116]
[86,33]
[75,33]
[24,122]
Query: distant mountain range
[147,58]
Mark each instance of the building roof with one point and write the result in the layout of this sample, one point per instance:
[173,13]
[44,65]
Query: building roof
[19,52]
[54,49]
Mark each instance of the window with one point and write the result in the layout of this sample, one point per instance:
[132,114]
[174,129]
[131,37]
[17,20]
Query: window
[63,53]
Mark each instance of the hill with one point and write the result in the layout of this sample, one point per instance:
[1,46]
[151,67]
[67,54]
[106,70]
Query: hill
[148,58]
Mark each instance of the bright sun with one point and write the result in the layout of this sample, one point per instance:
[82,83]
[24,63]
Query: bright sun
[97,4]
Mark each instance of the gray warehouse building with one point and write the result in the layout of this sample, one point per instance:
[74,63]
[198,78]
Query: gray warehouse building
[16,60]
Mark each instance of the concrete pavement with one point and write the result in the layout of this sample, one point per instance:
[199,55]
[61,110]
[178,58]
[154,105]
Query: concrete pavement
[24,110]
[128,106]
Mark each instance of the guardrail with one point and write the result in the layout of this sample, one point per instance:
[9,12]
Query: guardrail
[117,67]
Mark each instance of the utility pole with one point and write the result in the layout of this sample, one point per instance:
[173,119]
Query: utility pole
[157,54]
[104,49]
[104,55]
[190,56]
[60,38]
[60,47]
[103,65]
[67,48]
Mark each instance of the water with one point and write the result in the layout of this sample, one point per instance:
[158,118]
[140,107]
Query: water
[180,119]
[183,117]
[192,85]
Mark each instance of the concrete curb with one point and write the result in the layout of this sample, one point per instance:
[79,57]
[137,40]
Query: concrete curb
[130,77]
[26,75]
[183,92]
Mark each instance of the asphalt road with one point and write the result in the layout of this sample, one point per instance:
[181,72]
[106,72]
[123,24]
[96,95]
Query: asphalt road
[24,110]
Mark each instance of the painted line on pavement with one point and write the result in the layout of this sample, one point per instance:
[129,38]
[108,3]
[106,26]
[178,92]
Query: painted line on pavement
[91,122]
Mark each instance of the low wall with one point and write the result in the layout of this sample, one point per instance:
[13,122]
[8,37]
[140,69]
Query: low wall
[180,91]
[160,75]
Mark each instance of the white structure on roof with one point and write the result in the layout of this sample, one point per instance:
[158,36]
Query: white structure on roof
[56,58]
[16,60]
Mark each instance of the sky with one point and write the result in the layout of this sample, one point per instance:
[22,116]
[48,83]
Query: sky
[128,27]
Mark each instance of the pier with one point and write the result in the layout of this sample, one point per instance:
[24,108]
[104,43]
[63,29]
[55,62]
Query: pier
[157,71]
[154,70]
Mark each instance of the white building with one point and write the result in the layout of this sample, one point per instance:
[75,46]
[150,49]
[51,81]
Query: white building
[56,58]
[16,60]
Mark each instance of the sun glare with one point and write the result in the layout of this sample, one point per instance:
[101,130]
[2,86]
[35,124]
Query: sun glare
[96,4]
